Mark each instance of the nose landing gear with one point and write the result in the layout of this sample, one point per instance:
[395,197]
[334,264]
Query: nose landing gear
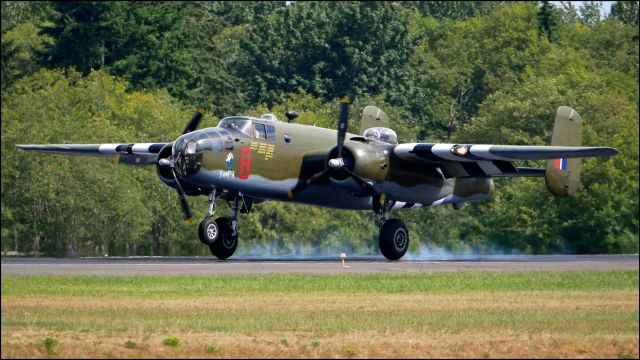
[221,234]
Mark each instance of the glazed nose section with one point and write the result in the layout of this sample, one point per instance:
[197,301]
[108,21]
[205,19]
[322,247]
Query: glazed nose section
[187,156]
[188,149]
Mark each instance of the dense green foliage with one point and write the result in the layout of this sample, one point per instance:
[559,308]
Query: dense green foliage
[85,72]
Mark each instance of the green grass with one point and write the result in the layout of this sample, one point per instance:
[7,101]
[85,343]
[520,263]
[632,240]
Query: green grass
[318,290]
[167,287]
[172,341]
[328,321]
[50,344]
[323,315]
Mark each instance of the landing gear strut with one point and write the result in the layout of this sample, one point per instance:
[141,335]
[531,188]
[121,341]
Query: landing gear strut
[394,236]
[221,234]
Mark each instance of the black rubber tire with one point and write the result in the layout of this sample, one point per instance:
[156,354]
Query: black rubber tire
[227,243]
[208,232]
[394,239]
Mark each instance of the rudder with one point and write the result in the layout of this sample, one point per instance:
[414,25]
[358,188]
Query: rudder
[562,176]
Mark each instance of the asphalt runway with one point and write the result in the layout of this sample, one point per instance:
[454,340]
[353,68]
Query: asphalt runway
[120,266]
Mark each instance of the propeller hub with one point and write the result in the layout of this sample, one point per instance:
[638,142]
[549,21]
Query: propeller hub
[165,163]
[336,163]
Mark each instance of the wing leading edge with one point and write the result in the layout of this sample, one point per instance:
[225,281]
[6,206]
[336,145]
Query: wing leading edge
[135,154]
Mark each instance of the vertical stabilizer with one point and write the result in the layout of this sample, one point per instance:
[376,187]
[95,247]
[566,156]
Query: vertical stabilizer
[563,175]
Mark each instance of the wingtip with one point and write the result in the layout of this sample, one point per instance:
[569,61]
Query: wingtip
[26,147]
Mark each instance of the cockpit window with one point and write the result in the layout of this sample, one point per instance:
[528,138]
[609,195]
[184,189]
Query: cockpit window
[271,132]
[259,131]
[237,125]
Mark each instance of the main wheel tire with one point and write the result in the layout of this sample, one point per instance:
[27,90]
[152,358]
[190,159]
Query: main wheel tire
[227,243]
[208,231]
[394,239]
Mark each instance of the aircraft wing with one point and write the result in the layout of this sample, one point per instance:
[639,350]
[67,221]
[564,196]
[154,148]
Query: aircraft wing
[467,160]
[134,154]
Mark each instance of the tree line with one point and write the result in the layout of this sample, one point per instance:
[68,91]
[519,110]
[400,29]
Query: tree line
[474,72]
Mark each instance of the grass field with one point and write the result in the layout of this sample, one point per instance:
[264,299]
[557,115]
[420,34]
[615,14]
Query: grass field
[539,315]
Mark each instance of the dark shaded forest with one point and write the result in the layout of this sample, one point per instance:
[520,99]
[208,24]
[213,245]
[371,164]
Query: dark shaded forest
[474,72]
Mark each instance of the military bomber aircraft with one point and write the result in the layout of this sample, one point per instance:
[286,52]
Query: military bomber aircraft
[247,160]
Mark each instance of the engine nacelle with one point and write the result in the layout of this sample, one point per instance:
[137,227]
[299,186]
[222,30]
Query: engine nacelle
[472,189]
[165,174]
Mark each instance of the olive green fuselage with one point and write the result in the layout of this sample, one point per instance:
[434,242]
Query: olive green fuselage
[269,168]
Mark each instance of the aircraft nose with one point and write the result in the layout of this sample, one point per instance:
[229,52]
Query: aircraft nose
[187,156]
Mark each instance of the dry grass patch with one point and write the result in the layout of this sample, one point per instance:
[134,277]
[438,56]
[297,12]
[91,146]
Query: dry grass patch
[540,300]
[350,345]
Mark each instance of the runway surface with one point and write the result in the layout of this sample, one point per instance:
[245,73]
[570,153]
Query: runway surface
[310,265]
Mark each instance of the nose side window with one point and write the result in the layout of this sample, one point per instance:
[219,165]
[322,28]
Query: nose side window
[227,139]
[217,145]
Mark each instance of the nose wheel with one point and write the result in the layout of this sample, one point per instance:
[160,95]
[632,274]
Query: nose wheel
[220,234]
[208,231]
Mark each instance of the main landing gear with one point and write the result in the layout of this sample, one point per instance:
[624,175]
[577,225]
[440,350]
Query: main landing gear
[221,234]
[394,236]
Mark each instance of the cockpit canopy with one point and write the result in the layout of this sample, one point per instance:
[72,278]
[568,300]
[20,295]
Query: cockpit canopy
[237,124]
[381,133]
[246,126]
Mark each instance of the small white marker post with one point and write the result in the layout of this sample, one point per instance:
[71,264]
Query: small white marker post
[343,257]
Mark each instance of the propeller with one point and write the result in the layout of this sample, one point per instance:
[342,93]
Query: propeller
[307,182]
[166,163]
[195,120]
[338,163]
[169,163]
[343,123]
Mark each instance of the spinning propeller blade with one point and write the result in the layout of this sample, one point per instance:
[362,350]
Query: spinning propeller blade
[170,163]
[195,120]
[343,123]
[307,182]
[337,164]
[183,200]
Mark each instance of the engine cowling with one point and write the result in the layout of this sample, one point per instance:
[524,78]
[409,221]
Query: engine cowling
[165,174]
[363,160]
